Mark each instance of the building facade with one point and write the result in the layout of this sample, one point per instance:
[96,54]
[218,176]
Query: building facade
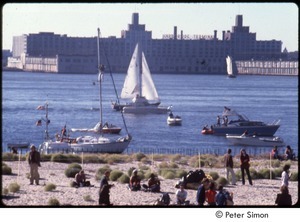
[173,53]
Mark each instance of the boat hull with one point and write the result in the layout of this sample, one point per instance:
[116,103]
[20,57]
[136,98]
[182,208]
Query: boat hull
[145,110]
[118,146]
[268,130]
[256,141]
[174,121]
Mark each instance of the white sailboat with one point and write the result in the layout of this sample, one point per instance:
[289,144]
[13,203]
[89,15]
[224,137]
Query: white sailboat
[90,144]
[139,87]
[230,72]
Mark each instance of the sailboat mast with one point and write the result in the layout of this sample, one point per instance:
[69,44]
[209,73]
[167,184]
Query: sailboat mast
[139,61]
[100,69]
[47,122]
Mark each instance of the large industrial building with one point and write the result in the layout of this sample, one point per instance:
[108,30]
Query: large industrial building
[173,53]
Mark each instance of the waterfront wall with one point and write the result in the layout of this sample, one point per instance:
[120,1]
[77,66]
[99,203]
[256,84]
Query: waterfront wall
[267,67]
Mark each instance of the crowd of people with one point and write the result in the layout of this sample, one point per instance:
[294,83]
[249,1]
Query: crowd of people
[208,192]
[287,155]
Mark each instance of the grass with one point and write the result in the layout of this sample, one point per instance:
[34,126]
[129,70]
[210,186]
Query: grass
[14,187]
[53,202]
[50,187]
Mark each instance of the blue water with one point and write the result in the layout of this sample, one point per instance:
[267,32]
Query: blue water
[198,99]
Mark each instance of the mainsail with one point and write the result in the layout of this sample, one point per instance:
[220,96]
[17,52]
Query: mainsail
[137,83]
[229,65]
[131,84]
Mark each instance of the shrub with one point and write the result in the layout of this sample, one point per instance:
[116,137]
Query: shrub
[180,173]
[71,172]
[100,172]
[124,178]
[294,176]
[238,175]
[60,158]
[50,187]
[254,174]
[10,157]
[13,187]
[116,158]
[194,162]
[277,172]
[115,174]
[143,167]
[5,191]
[214,175]
[87,198]
[265,173]
[141,174]
[275,163]
[6,170]
[145,160]
[73,184]
[75,165]
[173,165]
[53,202]
[169,175]
[139,156]
[175,158]
[46,157]
[222,181]
[92,159]
[163,165]
[129,172]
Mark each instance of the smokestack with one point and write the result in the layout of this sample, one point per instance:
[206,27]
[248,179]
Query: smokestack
[181,35]
[175,32]
[215,34]
[223,35]
[135,18]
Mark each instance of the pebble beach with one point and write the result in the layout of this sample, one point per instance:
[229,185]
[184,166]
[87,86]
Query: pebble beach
[262,193]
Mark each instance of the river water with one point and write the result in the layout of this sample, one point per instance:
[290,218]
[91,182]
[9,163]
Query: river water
[74,100]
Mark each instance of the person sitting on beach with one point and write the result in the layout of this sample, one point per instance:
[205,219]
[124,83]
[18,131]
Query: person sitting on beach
[274,153]
[223,197]
[210,195]
[14,150]
[201,191]
[135,181]
[153,184]
[284,198]
[181,195]
[289,154]
[80,180]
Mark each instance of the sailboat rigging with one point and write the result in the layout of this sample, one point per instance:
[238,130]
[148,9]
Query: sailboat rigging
[90,144]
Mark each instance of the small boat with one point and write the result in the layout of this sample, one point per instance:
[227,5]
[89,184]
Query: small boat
[255,140]
[174,120]
[207,131]
[230,73]
[235,123]
[139,87]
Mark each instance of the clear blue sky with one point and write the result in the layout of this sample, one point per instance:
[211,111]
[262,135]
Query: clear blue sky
[269,21]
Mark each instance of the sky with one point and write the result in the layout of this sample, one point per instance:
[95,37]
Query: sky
[269,21]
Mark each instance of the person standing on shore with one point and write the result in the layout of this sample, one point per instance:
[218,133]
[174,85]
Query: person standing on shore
[34,159]
[285,176]
[284,198]
[245,165]
[229,167]
[104,189]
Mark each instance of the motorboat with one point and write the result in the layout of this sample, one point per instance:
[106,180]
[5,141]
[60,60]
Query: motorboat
[207,130]
[253,140]
[140,88]
[174,120]
[235,123]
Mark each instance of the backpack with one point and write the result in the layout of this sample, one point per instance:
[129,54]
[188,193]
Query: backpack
[165,199]
[194,176]
[229,201]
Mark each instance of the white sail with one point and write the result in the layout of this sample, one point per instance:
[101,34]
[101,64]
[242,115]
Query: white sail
[131,84]
[148,87]
[229,65]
